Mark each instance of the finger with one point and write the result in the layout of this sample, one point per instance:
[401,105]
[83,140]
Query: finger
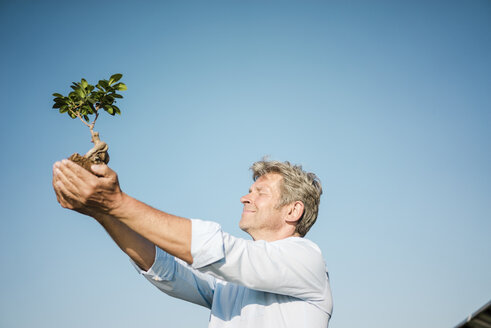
[56,176]
[65,183]
[70,188]
[61,199]
[77,175]
[55,188]
[55,171]
[61,193]
[77,170]
[102,170]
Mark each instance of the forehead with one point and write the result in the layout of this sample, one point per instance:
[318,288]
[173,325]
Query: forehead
[268,180]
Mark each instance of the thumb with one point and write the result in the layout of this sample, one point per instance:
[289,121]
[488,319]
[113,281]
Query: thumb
[101,170]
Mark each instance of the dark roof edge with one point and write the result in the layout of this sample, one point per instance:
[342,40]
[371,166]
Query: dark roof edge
[475,314]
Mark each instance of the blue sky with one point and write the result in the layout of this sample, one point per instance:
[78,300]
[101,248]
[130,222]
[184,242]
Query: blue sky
[388,102]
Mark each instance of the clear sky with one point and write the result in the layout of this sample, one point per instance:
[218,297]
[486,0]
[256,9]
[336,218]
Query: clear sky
[388,102]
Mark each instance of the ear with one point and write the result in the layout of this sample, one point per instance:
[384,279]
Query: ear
[295,211]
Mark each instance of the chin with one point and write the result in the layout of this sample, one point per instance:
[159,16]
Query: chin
[243,226]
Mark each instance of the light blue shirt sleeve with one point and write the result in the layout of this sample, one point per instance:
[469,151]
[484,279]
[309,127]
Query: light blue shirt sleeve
[293,266]
[177,279]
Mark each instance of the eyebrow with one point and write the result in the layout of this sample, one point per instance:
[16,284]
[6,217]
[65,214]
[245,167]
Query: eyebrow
[257,188]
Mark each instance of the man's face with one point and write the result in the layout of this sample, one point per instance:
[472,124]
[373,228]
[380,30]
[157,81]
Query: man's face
[261,217]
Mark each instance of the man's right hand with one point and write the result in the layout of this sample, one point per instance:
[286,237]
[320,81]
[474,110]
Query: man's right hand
[79,190]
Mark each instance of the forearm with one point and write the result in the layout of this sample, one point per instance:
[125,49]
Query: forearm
[169,232]
[137,247]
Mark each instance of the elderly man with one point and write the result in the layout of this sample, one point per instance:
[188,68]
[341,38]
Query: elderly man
[278,279]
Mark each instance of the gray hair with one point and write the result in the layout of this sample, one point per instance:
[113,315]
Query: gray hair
[296,185]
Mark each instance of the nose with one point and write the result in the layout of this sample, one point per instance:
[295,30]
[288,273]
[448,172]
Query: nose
[245,199]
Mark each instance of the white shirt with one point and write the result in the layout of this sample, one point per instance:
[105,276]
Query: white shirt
[248,283]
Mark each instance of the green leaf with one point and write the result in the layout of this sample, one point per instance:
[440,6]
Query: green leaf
[120,86]
[57,105]
[97,95]
[87,108]
[80,93]
[86,118]
[115,95]
[109,109]
[116,110]
[57,95]
[104,84]
[92,108]
[84,83]
[115,78]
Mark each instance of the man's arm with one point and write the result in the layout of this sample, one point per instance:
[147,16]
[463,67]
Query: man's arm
[137,247]
[136,228]
[133,225]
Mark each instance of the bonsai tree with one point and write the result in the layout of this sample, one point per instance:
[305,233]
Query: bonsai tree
[84,102]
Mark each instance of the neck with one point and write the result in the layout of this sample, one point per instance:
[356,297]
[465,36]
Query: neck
[273,236]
